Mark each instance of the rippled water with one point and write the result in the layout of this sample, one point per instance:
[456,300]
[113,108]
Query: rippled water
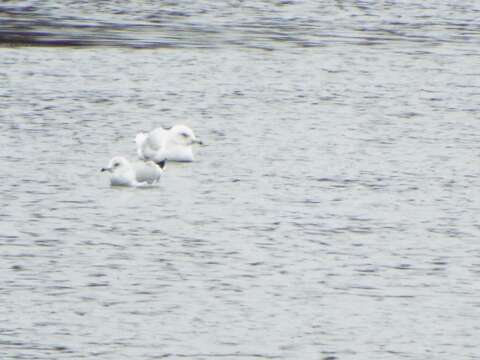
[332,214]
[215,24]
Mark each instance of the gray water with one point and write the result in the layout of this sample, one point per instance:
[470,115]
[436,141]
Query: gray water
[332,214]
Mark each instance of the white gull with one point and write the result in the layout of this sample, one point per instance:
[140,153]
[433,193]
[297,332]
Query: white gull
[160,144]
[137,173]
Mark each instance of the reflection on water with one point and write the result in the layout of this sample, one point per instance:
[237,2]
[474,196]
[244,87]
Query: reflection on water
[207,24]
[333,213]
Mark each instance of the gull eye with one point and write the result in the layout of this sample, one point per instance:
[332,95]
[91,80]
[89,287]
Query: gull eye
[116,164]
[185,135]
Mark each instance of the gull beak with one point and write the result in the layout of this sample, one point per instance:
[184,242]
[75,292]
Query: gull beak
[106,169]
[198,142]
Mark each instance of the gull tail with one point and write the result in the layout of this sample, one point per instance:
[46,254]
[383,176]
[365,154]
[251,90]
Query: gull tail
[140,140]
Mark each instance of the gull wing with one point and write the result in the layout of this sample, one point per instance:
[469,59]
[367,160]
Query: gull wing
[153,145]
[147,172]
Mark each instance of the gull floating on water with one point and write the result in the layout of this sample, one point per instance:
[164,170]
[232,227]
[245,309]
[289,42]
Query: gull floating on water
[161,144]
[138,173]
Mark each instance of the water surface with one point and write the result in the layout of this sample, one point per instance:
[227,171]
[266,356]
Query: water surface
[332,214]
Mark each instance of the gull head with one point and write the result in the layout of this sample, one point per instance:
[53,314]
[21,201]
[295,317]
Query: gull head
[121,172]
[117,164]
[183,135]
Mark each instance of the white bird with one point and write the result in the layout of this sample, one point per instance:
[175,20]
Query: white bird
[126,173]
[160,144]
